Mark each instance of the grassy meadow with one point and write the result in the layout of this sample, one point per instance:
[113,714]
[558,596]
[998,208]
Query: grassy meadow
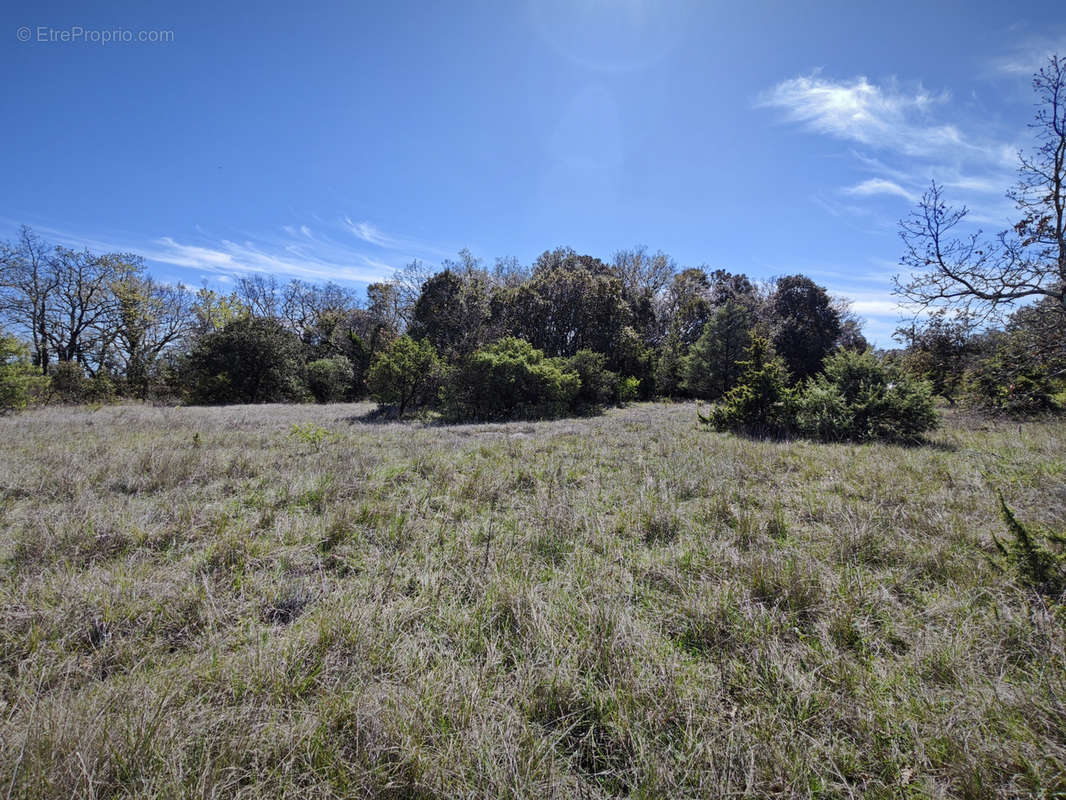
[289,601]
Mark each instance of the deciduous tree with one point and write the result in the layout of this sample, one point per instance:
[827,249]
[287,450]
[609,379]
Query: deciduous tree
[978,275]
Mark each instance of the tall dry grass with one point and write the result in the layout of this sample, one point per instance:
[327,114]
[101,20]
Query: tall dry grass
[200,602]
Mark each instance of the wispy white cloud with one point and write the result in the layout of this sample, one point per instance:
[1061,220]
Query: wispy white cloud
[873,186]
[370,234]
[900,137]
[306,256]
[911,135]
[323,253]
[1030,53]
[975,183]
[860,111]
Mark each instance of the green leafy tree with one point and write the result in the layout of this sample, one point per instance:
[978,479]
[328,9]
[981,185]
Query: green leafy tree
[383,303]
[20,381]
[453,311]
[712,367]
[404,373]
[805,324]
[761,402]
[511,379]
[330,379]
[1037,332]
[939,351]
[668,367]
[1009,382]
[150,318]
[214,311]
[599,385]
[578,304]
[250,360]
[687,306]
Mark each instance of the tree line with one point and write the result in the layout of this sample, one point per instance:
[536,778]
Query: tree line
[571,332]
[568,334]
[634,325]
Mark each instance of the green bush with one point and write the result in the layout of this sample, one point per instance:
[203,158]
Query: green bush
[599,386]
[761,402]
[629,389]
[68,382]
[668,367]
[331,379]
[404,374]
[511,380]
[857,398]
[21,383]
[251,360]
[1038,557]
[1009,384]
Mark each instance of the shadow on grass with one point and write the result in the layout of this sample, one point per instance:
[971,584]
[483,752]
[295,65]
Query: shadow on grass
[386,415]
[919,442]
[382,415]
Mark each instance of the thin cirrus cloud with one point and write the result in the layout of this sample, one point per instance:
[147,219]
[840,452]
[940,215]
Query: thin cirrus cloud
[301,253]
[1029,54]
[323,253]
[233,258]
[906,127]
[863,112]
[371,234]
[874,186]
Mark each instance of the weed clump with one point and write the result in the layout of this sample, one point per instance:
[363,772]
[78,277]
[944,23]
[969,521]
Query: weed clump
[311,435]
[1037,557]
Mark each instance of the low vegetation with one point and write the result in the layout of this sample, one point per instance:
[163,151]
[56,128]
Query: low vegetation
[284,601]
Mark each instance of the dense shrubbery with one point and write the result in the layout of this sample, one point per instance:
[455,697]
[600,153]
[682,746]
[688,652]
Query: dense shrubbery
[331,380]
[856,397]
[1007,383]
[406,373]
[20,382]
[68,383]
[599,386]
[511,379]
[569,334]
[250,360]
[761,403]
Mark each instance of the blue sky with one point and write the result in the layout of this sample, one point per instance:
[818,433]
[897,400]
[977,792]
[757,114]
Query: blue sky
[341,140]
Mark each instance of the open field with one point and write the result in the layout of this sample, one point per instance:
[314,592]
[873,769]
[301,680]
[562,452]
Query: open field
[196,602]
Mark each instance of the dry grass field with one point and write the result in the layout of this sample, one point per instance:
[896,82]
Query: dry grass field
[211,602]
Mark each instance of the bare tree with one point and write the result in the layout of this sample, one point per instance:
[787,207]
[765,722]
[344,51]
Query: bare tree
[261,294]
[978,276]
[311,311]
[81,310]
[643,273]
[27,283]
[409,282]
[510,273]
